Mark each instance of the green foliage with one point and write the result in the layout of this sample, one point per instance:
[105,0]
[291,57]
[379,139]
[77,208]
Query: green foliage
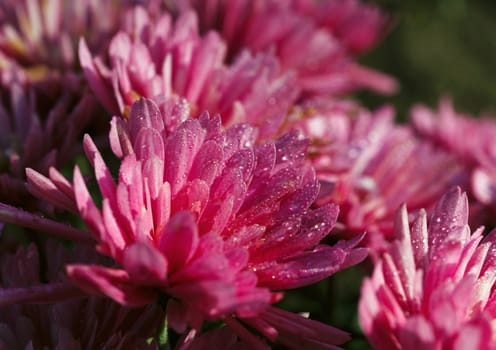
[163,337]
[439,48]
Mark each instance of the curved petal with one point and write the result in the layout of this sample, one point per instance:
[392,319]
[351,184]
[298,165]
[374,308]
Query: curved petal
[145,264]
[113,283]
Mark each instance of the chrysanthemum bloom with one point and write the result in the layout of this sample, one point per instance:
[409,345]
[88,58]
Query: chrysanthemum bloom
[369,165]
[164,57]
[205,217]
[434,287]
[35,135]
[83,323]
[472,141]
[317,39]
[39,37]
[357,24]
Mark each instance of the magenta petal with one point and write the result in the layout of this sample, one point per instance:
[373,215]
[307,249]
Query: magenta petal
[291,147]
[110,282]
[208,162]
[43,187]
[237,258]
[16,216]
[119,138]
[266,159]
[419,236]
[306,268]
[181,149]
[96,81]
[417,334]
[483,186]
[86,207]
[210,54]
[300,201]
[148,144]
[145,264]
[245,236]
[450,215]
[153,172]
[244,160]
[179,240]
[162,206]
[293,236]
[144,114]
[102,173]
[193,197]
[262,198]
[113,236]
[476,335]
[177,315]
[210,297]
[61,182]
[120,46]
[217,215]
[39,294]
[374,80]
[298,332]
[229,185]
[209,263]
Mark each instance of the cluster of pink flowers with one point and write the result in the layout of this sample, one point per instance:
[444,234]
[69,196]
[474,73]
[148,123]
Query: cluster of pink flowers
[169,169]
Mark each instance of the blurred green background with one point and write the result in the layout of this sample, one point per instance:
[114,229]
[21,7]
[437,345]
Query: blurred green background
[438,48]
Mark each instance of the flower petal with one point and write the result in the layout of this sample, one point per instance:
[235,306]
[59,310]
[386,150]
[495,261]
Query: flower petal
[113,283]
[145,264]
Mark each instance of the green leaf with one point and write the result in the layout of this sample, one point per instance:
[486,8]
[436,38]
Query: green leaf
[163,336]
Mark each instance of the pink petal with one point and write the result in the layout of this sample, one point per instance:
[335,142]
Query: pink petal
[372,79]
[209,54]
[101,87]
[305,268]
[102,173]
[119,138]
[193,198]
[144,114]
[181,149]
[162,208]
[417,334]
[179,240]
[298,332]
[145,264]
[148,144]
[208,162]
[113,283]
[43,187]
[450,215]
[88,210]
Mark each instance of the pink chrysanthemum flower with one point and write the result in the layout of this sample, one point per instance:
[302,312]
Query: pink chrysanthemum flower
[434,287]
[164,57]
[83,323]
[472,141]
[204,216]
[369,165]
[316,39]
[39,37]
[34,134]
[358,25]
